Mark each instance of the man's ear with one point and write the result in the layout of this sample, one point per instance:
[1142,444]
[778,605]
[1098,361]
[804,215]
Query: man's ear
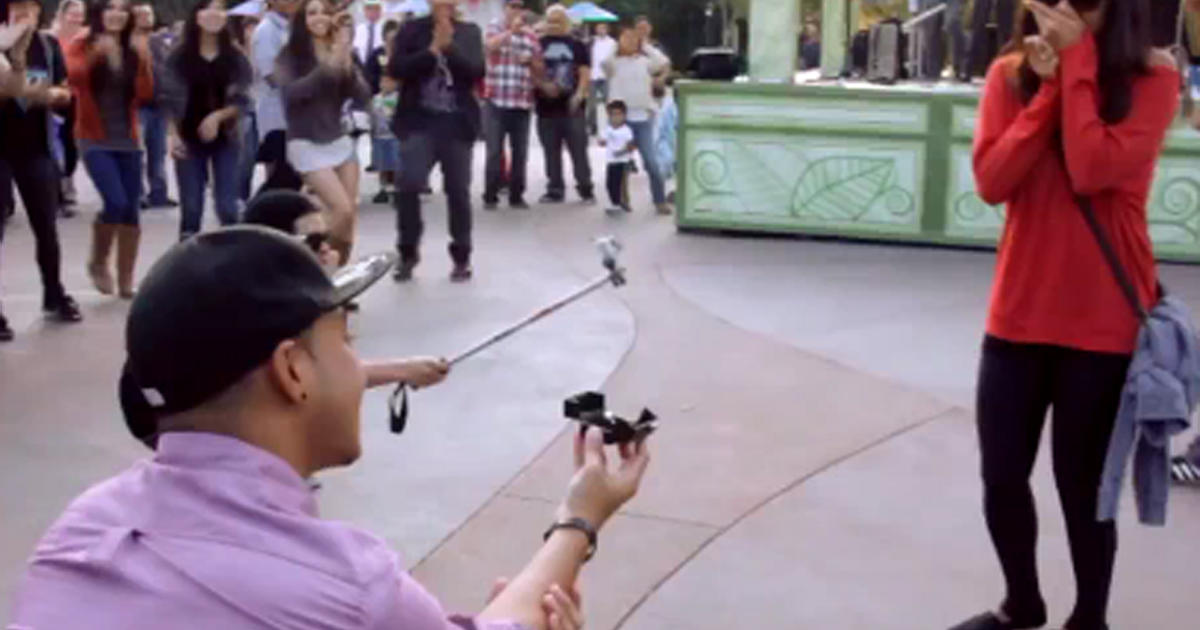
[290,371]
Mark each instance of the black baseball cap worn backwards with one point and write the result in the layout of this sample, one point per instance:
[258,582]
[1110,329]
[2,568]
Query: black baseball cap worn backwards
[215,307]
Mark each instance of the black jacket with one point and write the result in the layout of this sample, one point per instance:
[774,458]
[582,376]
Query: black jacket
[413,63]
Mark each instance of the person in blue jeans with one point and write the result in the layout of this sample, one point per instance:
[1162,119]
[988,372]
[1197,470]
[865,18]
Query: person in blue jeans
[152,114]
[632,73]
[206,86]
[110,77]
[241,30]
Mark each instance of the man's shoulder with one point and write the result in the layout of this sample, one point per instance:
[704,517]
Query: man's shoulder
[467,27]
[416,25]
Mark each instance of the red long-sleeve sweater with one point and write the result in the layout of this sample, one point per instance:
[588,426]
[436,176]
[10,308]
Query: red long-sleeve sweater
[88,123]
[1052,284]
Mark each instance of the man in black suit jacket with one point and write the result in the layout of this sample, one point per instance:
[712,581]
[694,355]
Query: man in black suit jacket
[439,61]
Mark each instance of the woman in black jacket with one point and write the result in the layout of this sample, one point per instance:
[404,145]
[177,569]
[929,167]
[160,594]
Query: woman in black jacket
[207,83]
[32,83]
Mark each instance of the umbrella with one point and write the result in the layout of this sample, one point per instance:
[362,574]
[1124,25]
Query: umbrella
[250,7]
[416,7]
[589,12]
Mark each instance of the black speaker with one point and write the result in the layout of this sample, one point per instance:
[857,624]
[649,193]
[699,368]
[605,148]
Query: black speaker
[714,64]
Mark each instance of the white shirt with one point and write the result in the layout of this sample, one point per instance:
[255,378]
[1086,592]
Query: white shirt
[602,49]
[630,79]
[616,144]
[269,38]
[362,37]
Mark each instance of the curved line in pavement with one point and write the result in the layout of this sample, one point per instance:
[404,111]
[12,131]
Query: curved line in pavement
[772,497]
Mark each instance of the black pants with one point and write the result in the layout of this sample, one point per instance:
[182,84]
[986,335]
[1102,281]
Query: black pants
[66,135]
[37,179]
[280,174]
[555,132]
[1006,14]
[419,151]
[500,123]
[615,181]
[1018,383]
[7,204]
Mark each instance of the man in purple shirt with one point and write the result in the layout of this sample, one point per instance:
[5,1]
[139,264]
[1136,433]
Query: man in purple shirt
[238,341]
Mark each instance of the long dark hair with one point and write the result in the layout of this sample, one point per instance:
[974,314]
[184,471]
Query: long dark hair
[186,59]
[299,56]
[101,72]
[1123,43]
[188,52]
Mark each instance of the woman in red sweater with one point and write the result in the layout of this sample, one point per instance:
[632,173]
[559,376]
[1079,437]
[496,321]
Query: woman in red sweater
[1080,107]
[110,76]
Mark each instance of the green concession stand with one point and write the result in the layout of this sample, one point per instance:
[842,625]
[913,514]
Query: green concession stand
[858,160]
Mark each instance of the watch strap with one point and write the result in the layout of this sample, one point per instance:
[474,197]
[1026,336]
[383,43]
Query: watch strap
[580,525]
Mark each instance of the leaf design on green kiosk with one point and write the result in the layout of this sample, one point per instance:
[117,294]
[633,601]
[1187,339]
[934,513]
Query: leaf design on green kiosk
[841,188]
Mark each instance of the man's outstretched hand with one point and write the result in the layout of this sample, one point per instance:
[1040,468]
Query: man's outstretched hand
[599,489]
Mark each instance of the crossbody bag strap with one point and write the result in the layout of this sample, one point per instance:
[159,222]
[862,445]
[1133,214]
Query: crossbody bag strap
[1110,255]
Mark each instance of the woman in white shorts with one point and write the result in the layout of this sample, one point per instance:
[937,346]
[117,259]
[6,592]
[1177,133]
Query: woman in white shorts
[317,75]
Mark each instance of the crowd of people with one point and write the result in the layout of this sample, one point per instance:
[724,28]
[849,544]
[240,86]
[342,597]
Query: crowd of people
[293,89]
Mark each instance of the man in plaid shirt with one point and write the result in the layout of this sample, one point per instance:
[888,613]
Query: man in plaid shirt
[512,50]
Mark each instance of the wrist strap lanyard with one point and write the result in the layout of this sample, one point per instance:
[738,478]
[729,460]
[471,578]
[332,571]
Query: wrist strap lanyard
[398,408]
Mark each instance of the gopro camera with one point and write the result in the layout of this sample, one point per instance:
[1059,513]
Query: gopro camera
[588,410]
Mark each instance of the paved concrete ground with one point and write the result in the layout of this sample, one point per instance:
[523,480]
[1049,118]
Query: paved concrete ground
[815,469]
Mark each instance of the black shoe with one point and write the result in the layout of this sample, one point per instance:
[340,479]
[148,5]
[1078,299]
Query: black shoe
[549,198]
[404,271]
[462,272]
[518,204]
[351,307]
[64,309]
[159,204]
[990,621]
[1184,472]
[381,197]
[6,333]
[589,200]
[490,204]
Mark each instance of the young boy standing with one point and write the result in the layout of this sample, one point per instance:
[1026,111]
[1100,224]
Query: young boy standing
[384,144]
[618,139]
[385,147]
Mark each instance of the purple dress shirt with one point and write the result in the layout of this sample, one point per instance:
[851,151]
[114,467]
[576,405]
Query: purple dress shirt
[215,533]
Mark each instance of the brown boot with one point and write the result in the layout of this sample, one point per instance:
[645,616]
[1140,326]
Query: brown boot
[128,238]
[102,241]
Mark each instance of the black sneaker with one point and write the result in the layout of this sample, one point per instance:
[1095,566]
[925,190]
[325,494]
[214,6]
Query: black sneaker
[65,309]
[490,204]
[404,271]
[518,204]
[462,272]
[381,197]
[549,198]
[6,333]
